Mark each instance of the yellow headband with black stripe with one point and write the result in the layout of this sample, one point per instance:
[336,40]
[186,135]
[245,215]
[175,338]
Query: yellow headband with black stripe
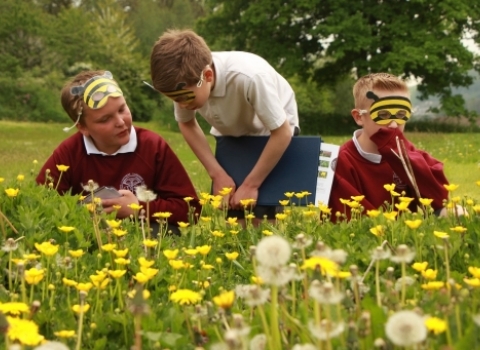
[97,90]
[390,108]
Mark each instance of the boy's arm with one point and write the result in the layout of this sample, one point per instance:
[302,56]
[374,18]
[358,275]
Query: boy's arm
[277,144]
[427,170]
[197,141]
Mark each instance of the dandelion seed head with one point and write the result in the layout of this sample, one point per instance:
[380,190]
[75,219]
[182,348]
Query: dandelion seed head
[258,342]
[273,251]
[403,254]
[325,293]
[326,329]
[406,328]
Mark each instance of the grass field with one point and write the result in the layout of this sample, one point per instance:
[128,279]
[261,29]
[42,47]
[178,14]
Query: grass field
[21,143]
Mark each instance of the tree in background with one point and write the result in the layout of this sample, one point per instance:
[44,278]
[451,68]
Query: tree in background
[328,40]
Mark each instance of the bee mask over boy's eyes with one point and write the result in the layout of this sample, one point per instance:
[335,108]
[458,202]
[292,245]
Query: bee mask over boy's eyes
[389,108]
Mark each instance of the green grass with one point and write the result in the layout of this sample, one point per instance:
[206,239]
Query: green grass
[21,143]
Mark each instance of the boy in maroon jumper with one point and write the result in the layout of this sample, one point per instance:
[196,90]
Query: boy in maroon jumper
[111,152]
[367,163]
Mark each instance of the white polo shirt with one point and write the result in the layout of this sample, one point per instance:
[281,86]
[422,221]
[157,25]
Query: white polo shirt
[249,97]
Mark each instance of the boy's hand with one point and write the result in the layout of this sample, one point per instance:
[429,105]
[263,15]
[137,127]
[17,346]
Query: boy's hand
[243,192]
[127,198]
[223,181]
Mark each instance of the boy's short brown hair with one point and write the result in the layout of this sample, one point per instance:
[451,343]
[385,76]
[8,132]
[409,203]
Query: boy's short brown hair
[375,81]
[73,104]
[178,56]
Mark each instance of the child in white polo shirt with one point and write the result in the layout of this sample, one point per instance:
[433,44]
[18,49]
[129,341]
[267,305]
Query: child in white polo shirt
[238,94]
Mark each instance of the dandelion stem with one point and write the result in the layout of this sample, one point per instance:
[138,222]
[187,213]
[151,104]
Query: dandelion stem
[80,326]
[275,327]
[377,283]
[265,327]
[458,321]
[447,266]
[10,271]
[404,282]
[448,332]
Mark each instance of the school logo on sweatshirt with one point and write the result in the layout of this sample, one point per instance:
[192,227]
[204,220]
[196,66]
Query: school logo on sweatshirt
[131,181]
[399,185]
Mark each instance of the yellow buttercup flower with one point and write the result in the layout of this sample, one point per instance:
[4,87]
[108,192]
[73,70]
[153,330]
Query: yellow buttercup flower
[420,266]
[430,274]
[23,331]
[358,198]
[280,216]
[185,297]
[119,233]
[66,229]
[122,261]
[84,287]
[256,280]
[109,247]
[226,190]
[426,201]
[267,232]
[34,275]
[207,267]
[65,334]
[402,206]
[150,243]
[436,325]
[325,265]
[47,248]
[31,256]
[225,299]
[247,202]
[433,285]
[373,213]
[451,187]
[176,264]
[475,271]
[234,232]
[76,253]
[78,308]
[170,254]
[14,308]
[284,202]
[145,294]
[205,218]
[232,255]
[20,177]
[2,179]
[458,229]
[62,168]
[441,234]
[162,215]
[191,252]
[389,187]
[135,206]
[147,263]
[114,223]
[289,194]
[472,282]
[204,249]
[11,192]
[68,282]
[188,199]
[149,272]
[390,215]
[117,273]
[141,278]
[183,224]
[395,194]
[413,224]
[120,253]
[217,233]
[378,230]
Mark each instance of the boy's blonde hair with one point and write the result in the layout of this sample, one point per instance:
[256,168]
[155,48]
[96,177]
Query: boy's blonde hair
[375,81]
[178,56]
[73,104]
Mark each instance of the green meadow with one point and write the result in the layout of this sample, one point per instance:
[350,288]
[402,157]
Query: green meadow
[22,143]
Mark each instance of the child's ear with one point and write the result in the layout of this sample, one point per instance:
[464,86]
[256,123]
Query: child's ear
[83,129]
[357,116]
[209,74]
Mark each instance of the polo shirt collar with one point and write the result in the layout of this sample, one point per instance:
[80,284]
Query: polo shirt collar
[372,157]
[127,148]
[220,78]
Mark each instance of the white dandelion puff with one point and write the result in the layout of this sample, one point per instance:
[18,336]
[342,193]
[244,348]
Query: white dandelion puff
[403,254]
[406,328]
[145,195]
[258,342]
[273,251]
[325,293]
[326,329]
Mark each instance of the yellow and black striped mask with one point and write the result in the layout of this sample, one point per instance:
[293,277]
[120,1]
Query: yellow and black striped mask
[391,108]
[180,95]
[97,90]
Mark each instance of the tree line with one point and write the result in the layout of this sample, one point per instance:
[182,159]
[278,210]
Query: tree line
[320,46]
